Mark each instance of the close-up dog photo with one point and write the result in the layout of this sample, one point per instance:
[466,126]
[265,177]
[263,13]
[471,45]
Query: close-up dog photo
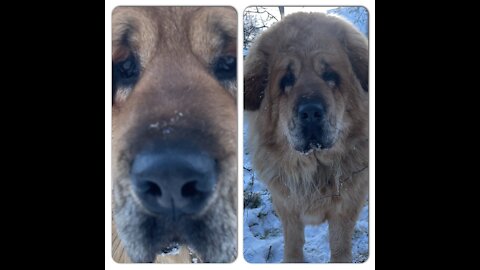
[174,134]
[306,132]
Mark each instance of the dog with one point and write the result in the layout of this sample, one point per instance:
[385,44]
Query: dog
[174,128]
[306,97]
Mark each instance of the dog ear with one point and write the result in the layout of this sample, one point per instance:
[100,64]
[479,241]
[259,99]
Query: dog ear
[356,45]
[255,79]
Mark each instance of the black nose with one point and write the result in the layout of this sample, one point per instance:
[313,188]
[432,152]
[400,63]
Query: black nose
[174,179]
[310,112]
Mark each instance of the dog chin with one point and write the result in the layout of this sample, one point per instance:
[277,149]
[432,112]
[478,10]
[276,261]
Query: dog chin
[310,147]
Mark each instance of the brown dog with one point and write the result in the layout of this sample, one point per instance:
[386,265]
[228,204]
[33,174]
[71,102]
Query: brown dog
[306,85]
[174,147]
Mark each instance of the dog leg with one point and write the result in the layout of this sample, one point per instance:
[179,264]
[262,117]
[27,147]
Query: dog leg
[293,233]
[340,230]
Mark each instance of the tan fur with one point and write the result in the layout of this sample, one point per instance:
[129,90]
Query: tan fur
[176,99]
[326,185]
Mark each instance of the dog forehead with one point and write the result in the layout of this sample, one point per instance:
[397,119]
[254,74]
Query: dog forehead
[213,31]
[302,35]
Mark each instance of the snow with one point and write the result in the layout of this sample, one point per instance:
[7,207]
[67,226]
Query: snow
[263,238]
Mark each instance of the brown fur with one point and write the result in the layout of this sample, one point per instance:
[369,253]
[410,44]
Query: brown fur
[177,99]
[324,185]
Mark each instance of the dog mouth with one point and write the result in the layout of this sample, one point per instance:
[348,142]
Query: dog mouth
[307,139]
[175,242]
[175,248]
[312,145]
[168,241]
[171,249]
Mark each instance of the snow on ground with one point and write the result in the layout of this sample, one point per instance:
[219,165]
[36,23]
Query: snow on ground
[263,239]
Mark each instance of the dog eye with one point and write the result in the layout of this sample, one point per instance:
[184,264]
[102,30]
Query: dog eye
[331,78]
[287,80]
[225,68]
[125,74]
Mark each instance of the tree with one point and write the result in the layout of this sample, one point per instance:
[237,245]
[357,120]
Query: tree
[255,20]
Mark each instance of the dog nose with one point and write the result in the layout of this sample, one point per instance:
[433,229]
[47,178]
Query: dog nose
[173,180]
[310,112]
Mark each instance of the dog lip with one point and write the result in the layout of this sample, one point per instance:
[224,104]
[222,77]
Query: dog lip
[315,145]
[311,146]
[307,152]
[171,248]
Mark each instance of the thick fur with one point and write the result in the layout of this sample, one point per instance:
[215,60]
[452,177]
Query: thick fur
[323,184]
[178,101]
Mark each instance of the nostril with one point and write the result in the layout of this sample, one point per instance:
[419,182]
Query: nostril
[310,112]
[165,178]
[153,189]
[190,189]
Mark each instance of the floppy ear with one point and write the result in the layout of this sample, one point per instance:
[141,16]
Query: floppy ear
[356,46]
[255,79]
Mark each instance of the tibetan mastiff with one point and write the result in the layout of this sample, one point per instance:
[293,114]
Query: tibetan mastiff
[306,90]
[174,122]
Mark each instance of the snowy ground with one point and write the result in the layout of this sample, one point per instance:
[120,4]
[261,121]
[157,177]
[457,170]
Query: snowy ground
[263,239]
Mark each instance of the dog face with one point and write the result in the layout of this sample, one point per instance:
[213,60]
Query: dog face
[308,74]
[174,130]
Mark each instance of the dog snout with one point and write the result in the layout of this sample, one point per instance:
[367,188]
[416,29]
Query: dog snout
[311,115]
[311,112]
[173,180]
